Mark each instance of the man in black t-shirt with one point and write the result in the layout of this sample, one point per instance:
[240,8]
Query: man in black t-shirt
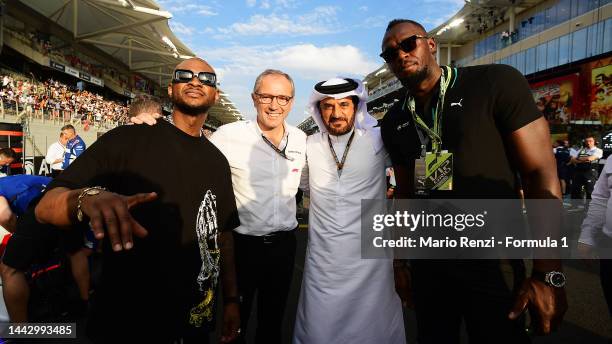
[562,155]
[166,232]
[488,121]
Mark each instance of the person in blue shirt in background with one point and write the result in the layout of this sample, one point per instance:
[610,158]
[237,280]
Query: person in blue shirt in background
[7,157]
[74,147]
[16,193]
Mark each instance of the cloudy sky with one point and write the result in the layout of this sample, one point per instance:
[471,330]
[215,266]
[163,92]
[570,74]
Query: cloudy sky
[311,40]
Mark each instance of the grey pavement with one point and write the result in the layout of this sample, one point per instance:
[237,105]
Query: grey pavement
[586,322]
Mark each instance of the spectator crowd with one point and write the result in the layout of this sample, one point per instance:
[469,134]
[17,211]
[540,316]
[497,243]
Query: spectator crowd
[57,100]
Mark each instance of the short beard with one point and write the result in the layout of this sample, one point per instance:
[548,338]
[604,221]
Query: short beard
[189,110]
[413,81]
[338,132]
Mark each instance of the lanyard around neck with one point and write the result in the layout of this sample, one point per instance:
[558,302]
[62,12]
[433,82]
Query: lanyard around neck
[340,164]
[276,149]
[435,134]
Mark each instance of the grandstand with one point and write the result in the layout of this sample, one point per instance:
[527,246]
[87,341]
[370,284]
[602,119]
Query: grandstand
[56,101]
[82,62]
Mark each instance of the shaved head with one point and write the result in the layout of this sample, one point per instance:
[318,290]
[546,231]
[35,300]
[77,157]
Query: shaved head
[195,62]
[192,97]
[395,22]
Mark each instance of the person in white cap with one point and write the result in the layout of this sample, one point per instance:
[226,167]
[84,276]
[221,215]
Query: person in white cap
[344,299]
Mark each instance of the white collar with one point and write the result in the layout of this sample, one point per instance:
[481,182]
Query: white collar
[341,138]
[260,132]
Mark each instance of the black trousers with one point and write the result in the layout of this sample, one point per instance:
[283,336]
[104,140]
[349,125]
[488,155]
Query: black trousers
[586,178]
[477,292]
[605,274]
[264,265]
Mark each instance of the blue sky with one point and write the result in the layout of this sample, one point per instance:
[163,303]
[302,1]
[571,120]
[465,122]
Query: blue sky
[309,40]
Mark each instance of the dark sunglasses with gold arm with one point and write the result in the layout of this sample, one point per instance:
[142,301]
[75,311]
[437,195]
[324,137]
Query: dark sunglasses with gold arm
[407,45]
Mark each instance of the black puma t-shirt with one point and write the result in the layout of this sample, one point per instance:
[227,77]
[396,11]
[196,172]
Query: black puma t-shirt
[483,104]
[159,288]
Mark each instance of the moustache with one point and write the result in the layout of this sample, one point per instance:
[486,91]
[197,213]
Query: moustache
[408,63]
[193,89]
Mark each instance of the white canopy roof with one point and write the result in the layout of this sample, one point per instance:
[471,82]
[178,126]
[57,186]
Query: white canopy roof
[134,32]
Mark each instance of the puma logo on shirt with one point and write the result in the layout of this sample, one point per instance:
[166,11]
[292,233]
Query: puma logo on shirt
[457,103]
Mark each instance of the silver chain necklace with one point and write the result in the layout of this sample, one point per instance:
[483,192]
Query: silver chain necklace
[171,121]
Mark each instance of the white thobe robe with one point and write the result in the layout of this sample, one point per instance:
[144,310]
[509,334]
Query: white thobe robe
[345,299]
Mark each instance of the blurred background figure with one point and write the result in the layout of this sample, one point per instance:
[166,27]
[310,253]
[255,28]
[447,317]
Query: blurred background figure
[144,105]
[55,155]
[585,162]
[390,182]
[596,234]
[75,145]
[7,156]
[562,155]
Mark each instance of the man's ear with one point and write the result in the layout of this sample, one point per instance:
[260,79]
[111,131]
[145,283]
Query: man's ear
[433,46]
[217,96]
[170,90]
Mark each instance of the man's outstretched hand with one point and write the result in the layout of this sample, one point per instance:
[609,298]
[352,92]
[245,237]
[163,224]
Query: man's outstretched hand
[111,211]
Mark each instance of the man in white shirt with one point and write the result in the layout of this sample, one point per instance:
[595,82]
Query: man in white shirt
[585,168]
[596,235]
[266,157]
[55,155]
[344,298]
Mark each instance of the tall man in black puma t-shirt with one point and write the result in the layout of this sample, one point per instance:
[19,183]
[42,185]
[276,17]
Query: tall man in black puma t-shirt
[486,118]
[160,284]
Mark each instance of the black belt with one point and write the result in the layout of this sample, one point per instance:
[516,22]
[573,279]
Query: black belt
[268,238]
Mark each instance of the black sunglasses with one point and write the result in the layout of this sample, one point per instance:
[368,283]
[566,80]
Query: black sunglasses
[407,45]
[185,75]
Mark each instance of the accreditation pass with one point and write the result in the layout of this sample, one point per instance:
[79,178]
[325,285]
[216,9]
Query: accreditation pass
[37,330]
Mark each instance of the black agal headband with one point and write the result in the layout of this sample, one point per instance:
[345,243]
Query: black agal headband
[350,85]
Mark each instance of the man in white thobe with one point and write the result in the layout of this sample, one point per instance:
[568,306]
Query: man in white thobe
[344,298]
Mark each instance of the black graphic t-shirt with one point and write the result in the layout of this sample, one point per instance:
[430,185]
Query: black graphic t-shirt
[164,287]
[483,104]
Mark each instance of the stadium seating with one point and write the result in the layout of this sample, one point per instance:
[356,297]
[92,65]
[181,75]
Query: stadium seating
[56,101]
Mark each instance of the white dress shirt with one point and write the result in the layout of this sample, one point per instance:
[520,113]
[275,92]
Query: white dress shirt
[55,151]
[265,183]
[586,152]
[599,216]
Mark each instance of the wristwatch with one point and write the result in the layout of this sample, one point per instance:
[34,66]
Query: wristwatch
[92,191]
[553,278]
